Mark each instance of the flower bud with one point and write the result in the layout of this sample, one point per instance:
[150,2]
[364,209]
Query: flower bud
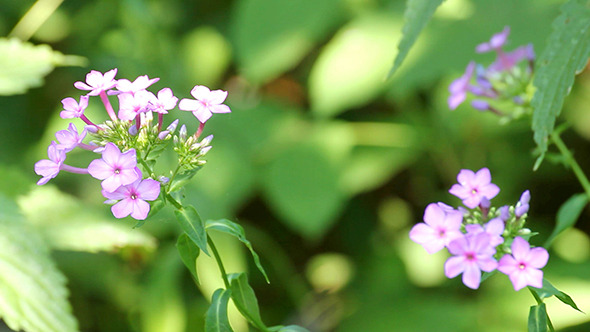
[162,135]
[172,127]
[182,133]
[133,130]
[91,129]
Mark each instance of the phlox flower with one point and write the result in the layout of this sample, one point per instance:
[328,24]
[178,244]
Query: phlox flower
[49,168]
[132,198]
[140,83]
[207,102]
[73,109]
[441,225]
[70,138]
[164,102]
[460,87]
[494,228]
[115,168]
[96,82]
[131,105]
[523,266]
[471,255]
[473,187]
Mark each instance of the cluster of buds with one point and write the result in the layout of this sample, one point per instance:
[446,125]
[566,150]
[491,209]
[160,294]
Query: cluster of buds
[504,86]
[481,237]
[131,141]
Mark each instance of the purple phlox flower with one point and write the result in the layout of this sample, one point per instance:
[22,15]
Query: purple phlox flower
[207,102]
[496,42]
[440,227]
[69,139]
[522,206]
[132,198]
[473,187]
[471,255]
[73,109]
[140,83]
[115,168]
[459,87]
[523,266]
[504,213]
[131,105]
[96,82]
[506,61]
[164,102]
[494,228]
[49,168]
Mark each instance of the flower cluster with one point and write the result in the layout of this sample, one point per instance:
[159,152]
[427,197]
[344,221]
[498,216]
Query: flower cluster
[481,237]
[130,142]
[503,86]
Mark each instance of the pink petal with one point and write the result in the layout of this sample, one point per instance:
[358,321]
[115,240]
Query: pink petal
[189,105]
[140,209]
[123,208]
[128,159]
[149,189]
[465,177]
[520,249]
[118,194]
[538,257]
[519,280]
[533,277]
[482,177]
[217,97]
[203,115]
[219,109]
[487,264]
[507,264]
[471,276]
[454,266]
[111,183]
[434,215]
[200,92]
[82,86]
[98,169]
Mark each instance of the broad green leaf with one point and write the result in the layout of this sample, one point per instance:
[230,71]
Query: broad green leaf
[549,290]
[67,224]
[192,225]
[271,37]
[245,299]
[33,296]
[189,252]
[538,318]
[351,69]
[567,215]
[417,15]
[216,319]
[565,55]
[23,65]
[236,230]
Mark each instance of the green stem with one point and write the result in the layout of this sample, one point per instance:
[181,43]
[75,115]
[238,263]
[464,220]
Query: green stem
[540,301]
[174,202]
[219,262]
[571,162]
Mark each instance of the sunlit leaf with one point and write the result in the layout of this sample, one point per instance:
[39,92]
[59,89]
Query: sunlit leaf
[33,296]
[216,319]
[567,215]
[193,226]
[417,15]
[538,318]
[245,299]
[565,55]
[189,252]
[549,290]
[24,65]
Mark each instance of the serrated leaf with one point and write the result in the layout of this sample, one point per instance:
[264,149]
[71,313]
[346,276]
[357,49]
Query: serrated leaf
[216,319]
[418,13]
[189,252]
[193,226]
[23,65]
[538,318]
[567,215]
[33,296]
[245,299]
[234,229]
[549,290]
[565,55]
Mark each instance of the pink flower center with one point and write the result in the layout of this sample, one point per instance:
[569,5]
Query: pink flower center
[470,256]
[521,266]
[133,196]
[117,171]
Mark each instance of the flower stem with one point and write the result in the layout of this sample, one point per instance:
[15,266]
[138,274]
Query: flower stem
[540,301]
[107,105]
[219,262]
[571,162]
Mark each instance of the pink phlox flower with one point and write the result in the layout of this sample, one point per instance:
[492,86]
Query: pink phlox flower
[131,105]
[494,228]
[471,255]
[132,198]
[207,102]
[473,187]
[459,87]
[73,109]
[96,82]
[49,168]
[164,102]
[70,138]
[441,226]
[507,61]
[523,266]
[140,83]
[115,168]
[496,42]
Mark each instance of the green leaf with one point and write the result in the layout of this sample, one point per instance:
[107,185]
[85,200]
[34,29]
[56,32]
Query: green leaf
[417,15]
[216,319]
[192,225]
[567,215]
[245,299]
[23,65]
[565,55]
[189,252]
[290,328]
[236,230]
[549,290]
[33,295]
[538,318]
[180,180]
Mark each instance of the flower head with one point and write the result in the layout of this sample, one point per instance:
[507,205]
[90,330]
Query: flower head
[523,266]
[460,87]
[473,187]
[73,109]
[132,198]
[49,168]
[441,225]
[96,82]
[164,102]
[207,102]
[115,168]
[471,255]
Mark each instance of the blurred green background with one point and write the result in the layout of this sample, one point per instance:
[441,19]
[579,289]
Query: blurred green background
[325,163]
